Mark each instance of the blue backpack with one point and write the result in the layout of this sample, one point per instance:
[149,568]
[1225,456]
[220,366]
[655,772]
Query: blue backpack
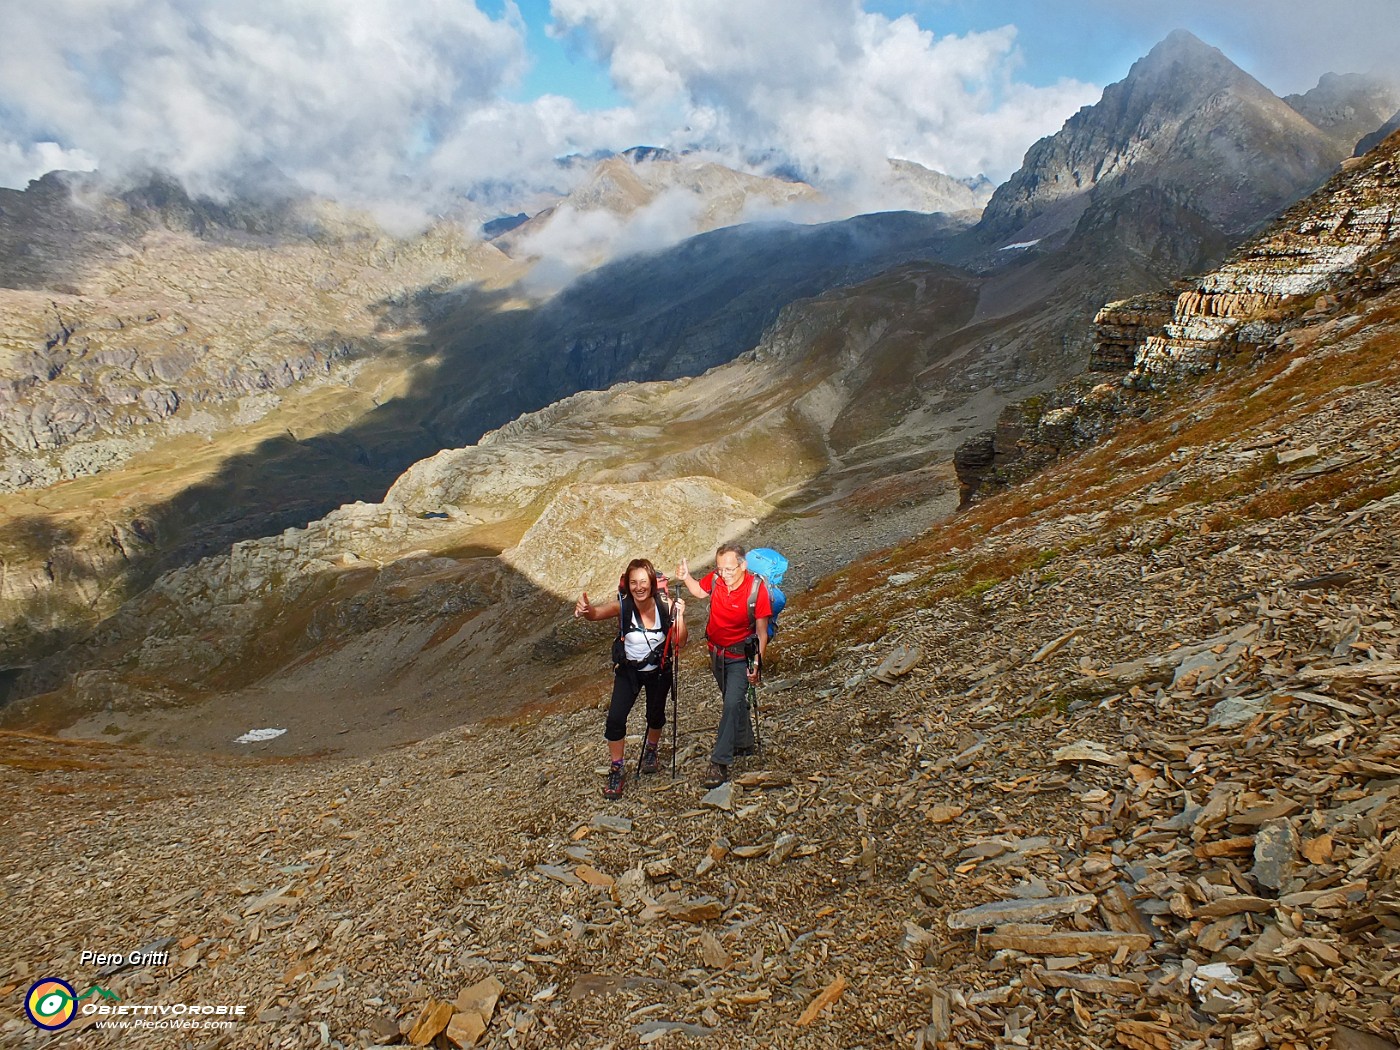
[768,565]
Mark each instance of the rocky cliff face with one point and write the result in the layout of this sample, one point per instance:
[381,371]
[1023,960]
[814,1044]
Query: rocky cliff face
[1290,276]
[1333,249]
[1186,120]
[1349,106]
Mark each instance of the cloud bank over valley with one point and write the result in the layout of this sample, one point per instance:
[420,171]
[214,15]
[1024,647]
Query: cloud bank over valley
[415,102]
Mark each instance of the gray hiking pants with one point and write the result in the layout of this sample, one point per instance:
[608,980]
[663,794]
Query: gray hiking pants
[736,722]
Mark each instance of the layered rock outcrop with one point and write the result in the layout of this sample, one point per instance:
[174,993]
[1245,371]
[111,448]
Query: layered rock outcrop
[1284,278]
[1118,329]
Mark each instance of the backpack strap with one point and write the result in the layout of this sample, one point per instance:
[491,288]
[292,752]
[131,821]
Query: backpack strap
[753,603]
[663,622]
[627,611]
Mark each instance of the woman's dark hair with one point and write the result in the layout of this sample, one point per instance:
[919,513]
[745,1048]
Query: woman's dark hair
[641,563]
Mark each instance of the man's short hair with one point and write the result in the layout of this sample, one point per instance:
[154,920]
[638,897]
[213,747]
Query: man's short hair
[729,548]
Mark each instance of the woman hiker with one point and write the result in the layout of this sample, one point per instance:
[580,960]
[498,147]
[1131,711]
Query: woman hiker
[642,658]
[737,630]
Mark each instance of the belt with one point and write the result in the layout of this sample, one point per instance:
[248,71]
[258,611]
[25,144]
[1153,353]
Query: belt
[735,652]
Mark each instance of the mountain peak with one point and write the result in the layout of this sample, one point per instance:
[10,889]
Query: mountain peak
[1185,63]
[1186,120]
[1349,106]
[1181,42]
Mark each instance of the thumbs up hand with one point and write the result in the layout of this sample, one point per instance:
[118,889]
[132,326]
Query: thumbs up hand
[583,608]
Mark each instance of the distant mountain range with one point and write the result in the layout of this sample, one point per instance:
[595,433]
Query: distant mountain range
[682,191]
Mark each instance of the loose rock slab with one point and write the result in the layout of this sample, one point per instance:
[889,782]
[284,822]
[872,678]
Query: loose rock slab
[999,913]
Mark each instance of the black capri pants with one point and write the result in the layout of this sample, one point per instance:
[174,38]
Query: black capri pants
[627,683]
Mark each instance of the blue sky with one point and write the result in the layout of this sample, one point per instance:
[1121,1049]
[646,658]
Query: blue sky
[1054,46]
[558,67]
[411,104]
[1091,42]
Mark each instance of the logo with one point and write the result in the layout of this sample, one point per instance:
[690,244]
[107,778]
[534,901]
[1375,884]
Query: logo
[51,1003]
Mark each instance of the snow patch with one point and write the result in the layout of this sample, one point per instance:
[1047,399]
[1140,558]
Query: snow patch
[1019,244]
[254,736]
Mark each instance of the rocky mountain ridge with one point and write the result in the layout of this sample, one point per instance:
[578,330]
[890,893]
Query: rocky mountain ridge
[1186,108]
[708,193]
[1349,106]
[177,324]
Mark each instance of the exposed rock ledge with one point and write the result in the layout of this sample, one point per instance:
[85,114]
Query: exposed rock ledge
[1285,278]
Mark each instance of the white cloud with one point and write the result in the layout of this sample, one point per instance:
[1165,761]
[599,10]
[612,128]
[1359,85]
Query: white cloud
[576,240]
[836,88]
[408,102]
[342,93]
[20,163]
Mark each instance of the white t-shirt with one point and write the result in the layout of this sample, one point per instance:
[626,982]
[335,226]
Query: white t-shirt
[643,642]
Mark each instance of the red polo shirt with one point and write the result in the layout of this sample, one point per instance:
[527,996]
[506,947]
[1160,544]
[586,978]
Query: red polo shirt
[729,610]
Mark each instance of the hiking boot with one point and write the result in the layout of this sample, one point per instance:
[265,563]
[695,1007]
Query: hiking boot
[716,775]
[617,777]
[651,759]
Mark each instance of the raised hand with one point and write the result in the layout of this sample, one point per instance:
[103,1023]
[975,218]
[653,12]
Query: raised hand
[582,608]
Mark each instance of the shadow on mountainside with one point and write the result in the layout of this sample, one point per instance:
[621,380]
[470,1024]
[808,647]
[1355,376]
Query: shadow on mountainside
[347,659]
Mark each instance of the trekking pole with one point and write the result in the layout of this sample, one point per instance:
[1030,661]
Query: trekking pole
[757,720]
[675,705]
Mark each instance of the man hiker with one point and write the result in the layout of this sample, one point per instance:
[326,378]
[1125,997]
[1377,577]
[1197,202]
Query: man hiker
[737,635]
[648,635]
